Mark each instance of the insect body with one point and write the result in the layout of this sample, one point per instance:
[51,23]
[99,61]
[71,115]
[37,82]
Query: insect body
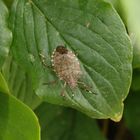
[66,66]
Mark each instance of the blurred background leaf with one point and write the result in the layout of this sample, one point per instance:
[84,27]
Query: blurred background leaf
[132,113]
[135,86]
[19,83]
[3,85]
[17,121]
[8,3]
[66,124]
[131,15]
[5,33]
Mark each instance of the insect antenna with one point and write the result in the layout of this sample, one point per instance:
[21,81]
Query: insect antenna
[50,83]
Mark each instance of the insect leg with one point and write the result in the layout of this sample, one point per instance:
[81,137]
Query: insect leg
[86,87]
[63,90]
[43,59]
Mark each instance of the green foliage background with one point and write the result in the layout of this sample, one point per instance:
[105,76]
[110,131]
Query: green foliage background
[92,29]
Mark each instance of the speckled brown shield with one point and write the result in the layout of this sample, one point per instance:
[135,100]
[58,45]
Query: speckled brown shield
[66,66]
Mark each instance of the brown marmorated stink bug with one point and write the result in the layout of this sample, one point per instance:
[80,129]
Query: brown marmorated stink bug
[67,67]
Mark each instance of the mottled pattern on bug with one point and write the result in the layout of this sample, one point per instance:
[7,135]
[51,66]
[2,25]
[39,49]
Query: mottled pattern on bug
[66,66]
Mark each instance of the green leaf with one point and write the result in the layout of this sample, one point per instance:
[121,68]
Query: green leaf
[135,86]
[3,85]
[131,15]
[131,12]
[8,3]
[113,2]
[17,121]
[5,33]
[136,57]
[91,29]
[19,83]
[66,124]
[132,114]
